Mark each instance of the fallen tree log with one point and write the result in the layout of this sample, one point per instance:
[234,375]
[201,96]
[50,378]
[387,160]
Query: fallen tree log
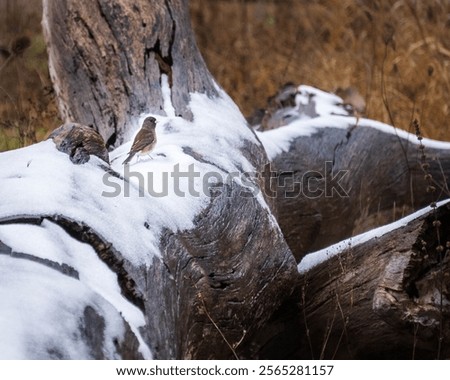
[382,295]
[192,273]
[387,298]
[335,175]
[197,269]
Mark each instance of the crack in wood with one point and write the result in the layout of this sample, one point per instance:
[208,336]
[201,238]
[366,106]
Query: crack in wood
[63,268]
[164,62]
[106,252]
[85,234]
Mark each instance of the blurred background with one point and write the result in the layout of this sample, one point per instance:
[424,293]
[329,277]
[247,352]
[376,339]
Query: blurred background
[394,53]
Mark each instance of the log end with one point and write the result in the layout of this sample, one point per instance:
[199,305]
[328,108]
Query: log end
[79,142]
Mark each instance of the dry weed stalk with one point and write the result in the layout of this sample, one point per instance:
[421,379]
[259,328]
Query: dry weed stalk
[431,189]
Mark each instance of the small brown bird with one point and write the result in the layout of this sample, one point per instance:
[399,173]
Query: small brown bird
[144,141]
[352,98]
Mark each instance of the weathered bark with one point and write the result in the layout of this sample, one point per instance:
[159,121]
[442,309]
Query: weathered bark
[384,183]
[387,298]
[218,281]
[340,182]
[223,289]
[106,59]
[381,299]
[79,142]
[216,284]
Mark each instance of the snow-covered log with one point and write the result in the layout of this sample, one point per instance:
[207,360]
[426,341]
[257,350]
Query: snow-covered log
[335,175]
[381,294]
[178,256]
[384,294]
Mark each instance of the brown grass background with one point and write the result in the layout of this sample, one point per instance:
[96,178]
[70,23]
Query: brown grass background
[395,52]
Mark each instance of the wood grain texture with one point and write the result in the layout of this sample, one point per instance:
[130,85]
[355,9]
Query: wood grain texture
[384,182]
[385,299]
[79,142]
[106,59]
[229,287]
[218,283]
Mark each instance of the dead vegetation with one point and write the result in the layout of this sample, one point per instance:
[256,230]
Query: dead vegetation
[395,53]
[27,107]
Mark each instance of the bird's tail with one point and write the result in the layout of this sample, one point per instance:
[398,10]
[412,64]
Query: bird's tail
[128,159]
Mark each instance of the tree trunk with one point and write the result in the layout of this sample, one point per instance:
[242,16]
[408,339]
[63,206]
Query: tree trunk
[344,175]
[387,298]
[208,287]
[106,59]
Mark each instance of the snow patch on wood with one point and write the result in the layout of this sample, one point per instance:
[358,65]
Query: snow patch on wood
[315,258]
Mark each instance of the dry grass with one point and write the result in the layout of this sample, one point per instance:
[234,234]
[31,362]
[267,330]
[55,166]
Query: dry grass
[27,106]
[398,50]
[396,53]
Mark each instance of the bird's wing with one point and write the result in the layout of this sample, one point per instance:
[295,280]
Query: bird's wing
[142,141]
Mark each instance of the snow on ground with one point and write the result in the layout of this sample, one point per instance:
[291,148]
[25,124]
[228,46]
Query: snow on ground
[315,258]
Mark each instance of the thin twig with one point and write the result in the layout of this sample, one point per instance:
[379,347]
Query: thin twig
[306,322]
[388,108]
[218,329]
[215,324]
[327,336]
